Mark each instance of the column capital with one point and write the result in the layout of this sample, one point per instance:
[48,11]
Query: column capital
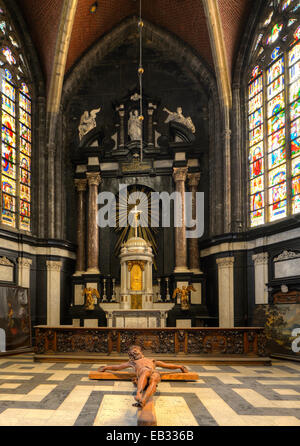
[226,133]
[225,262]
[180,173]
[53,265]
[193,179]
[80,184]
[261,258]
[24,262]
[93,178]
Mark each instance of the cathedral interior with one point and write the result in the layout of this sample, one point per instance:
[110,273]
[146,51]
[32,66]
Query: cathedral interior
[113,112]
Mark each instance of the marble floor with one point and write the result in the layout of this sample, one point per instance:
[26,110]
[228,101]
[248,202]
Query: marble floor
[61,394]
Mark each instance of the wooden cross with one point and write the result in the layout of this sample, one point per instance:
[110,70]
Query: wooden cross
[146,415]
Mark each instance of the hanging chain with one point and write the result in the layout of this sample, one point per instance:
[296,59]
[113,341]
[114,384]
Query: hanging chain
[140,73]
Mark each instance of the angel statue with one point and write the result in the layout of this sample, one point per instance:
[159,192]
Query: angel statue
[90,296]
[184,294]
[135,126]
[87,122]
[178,117]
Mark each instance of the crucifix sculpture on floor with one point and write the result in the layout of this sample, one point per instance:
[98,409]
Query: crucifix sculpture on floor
[146,378]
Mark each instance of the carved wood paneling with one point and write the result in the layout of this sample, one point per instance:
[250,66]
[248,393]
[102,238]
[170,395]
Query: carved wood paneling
[167,341]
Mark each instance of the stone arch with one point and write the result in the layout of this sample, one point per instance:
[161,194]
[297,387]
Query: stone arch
[160,38]
[196,69]
[30,53]
[37,81]
[238,124]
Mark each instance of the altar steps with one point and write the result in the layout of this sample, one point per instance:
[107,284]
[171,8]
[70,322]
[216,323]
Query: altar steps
[94,358]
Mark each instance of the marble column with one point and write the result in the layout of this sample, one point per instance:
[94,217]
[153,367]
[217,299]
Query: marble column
[179,175]
[24,265]
[53,292]
[94,180]
[194,263]
[226,291]
[261,277]
[80,260]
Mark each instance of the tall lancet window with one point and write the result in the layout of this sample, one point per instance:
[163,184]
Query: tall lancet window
[15,131]
[273,116]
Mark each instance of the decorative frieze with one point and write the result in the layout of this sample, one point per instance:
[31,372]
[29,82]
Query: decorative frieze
[5,262]
[287,264]
[287,255]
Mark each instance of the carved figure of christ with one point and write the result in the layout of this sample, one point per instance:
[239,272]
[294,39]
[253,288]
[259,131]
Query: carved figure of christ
[147,377]
[136,215]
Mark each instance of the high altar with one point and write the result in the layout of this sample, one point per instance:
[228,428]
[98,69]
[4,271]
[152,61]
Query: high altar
[135,309]
[126,276]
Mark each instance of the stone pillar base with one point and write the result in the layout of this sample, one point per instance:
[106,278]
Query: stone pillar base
[196,271]
[181,269]
[92,271]
[78,273]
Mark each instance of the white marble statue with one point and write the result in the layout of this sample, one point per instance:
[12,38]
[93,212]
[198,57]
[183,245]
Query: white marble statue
[87,122]
[178,117]
[135,126]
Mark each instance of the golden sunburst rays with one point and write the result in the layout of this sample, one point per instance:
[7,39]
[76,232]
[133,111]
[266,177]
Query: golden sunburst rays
[127,216]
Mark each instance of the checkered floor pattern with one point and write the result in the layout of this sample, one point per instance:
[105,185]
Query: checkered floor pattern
[61,394]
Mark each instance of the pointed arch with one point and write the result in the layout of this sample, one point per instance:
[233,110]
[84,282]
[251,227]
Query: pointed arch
[198,70]
[163,40]
[273,115]
[20,87]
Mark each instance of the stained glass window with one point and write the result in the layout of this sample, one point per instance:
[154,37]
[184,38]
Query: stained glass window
[274,33]
[274,119]
[16,133]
